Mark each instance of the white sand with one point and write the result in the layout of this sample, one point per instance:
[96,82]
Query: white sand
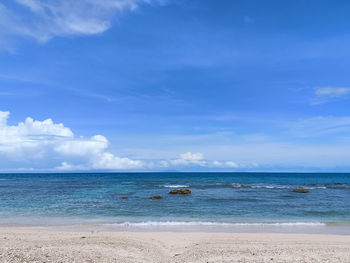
[50,245]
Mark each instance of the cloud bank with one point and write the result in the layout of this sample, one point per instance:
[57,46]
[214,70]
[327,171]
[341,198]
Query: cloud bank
[47,145]
[45,19]
[32,140]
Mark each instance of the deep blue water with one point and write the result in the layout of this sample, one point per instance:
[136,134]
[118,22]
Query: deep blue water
[216,197]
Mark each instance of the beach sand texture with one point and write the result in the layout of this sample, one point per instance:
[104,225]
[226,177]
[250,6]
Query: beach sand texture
[48,245]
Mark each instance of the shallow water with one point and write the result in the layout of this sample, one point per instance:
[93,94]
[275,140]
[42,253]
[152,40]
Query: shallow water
[225,199]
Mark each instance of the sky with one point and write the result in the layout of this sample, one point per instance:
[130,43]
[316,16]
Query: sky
[174,85]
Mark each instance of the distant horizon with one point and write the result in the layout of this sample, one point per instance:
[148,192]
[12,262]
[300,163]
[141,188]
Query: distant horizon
[175,172]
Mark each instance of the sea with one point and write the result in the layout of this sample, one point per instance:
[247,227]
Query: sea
[228,202]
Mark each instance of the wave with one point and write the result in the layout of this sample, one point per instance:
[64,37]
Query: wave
[270,187]
[259,186]
[238,185]
[176,186]
[338,186]
[201,223]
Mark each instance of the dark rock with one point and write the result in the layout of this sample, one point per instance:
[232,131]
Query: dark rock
[301,190]
[180,192]
[123,197]
[155,197]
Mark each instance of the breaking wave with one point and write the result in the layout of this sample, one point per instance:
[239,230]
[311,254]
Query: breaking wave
[176,186]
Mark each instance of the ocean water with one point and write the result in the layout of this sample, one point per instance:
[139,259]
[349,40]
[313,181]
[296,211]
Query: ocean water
[217,199]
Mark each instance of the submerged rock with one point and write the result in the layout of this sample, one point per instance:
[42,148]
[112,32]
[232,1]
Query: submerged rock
[155,197]
[180,192]
[123,197]
[301,190]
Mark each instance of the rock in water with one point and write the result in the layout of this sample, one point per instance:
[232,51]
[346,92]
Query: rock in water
[180,192]
[123,197]
[301,190]
[155,197]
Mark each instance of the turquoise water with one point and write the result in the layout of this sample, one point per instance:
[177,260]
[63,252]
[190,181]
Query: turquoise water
[224,198]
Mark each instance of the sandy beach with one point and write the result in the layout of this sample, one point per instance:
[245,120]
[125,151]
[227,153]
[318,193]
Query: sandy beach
[52,245]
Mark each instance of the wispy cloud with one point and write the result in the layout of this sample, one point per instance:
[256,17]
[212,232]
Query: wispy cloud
[5,93]
[44,19]
[320,125]
[327,94]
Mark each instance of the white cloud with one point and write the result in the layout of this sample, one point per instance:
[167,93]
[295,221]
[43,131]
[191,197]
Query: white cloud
[109,161]
[40,145]
[4,115]
[196,158]
[189,159]
[83,147]
[45,140]
[55,146]
[326,94]
[45,19]
[69,167]
[185,159]
[227,164]
[232,165]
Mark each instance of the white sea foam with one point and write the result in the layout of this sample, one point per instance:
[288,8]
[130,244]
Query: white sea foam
[271,186]
[176,186]
[202,223]
[238,185]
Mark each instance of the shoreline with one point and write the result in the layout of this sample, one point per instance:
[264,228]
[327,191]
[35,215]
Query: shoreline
[30,244]
[317,228]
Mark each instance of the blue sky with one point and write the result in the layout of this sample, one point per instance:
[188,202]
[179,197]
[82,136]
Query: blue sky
[196,85]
